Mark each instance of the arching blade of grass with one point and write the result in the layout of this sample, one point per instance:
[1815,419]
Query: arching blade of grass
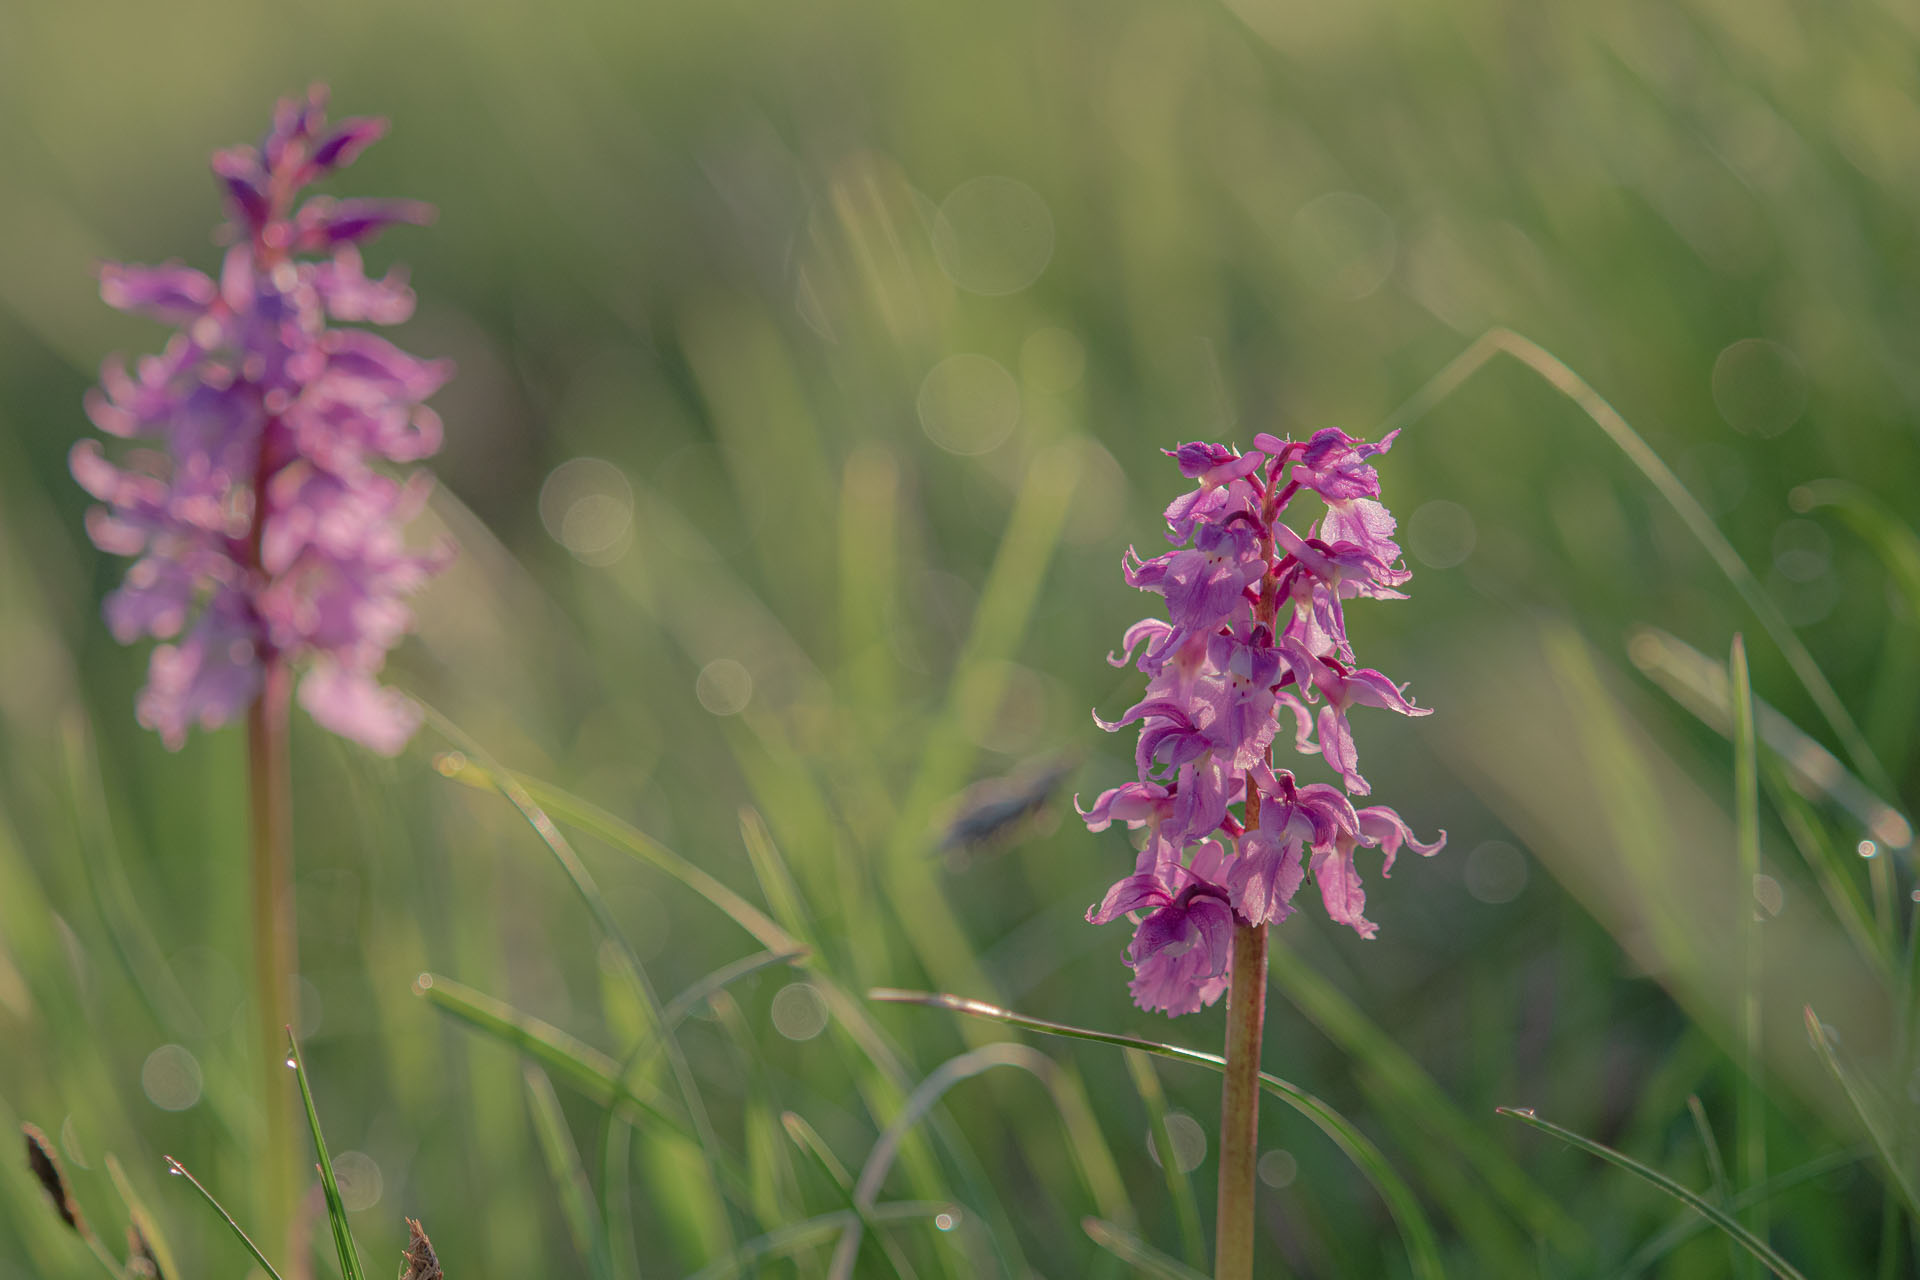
[818,1231]
[568,1173]
[808,1140]
[1692,1199]
[1501,341]
[1403,1085]
[1101,1179]
[1415,1230]
[594,1073]
[350,1268]
[702,989]
[1131,1249]
[174,1166]
[576,871]
[1751,1114]
[1179,1187]
[625,837]
[1716,1169]
[1689,1224]
[1879,1130]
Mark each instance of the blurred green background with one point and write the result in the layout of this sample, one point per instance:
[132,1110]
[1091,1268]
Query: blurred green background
[814,361]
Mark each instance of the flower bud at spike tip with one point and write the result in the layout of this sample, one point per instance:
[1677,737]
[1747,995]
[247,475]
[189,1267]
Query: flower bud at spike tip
[1255,625]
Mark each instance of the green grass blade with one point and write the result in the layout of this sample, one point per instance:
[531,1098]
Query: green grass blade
[1692,1199]
[1557,374]
[1699,684]
[174,1166]
[1006,604]
[1879,1132]
[1716,1170]
[626,837]
[568,1173]
[576,871]
[1179,1186]
[1405,1087]
[594,1073]
[616,1196]
[1751,1121]
[1422,1248]
[818,1231]
[1136,1252]
[804,1136]
[350,1268]
[1690,1224]
[880,1159]
[776,879]
[703,989]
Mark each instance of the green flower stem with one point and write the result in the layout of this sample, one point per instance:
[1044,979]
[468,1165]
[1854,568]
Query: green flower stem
[269,786]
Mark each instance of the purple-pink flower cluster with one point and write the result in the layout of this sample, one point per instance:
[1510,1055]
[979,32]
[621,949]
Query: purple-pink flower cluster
[261,506]
[1221,667]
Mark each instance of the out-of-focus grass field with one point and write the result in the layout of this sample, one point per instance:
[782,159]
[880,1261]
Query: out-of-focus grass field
[814,360]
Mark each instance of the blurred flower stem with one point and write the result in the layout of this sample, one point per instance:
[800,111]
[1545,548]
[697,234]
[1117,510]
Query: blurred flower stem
[269,787]
[1240,1103]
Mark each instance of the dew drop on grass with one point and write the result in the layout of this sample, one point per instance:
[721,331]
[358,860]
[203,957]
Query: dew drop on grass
[1866,848]
[292,1065]
[946,1221]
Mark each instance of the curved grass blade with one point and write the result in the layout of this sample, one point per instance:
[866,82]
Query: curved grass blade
[1716,1170]
[1562,378]
[804,1136]
[1422,1248]
[1876,1125]
[1688,1224]
[1179,1185]
[706,988]
[817,1231]
[1692,1199]
[576,870]
[568,1173]
[623,835]
[873,1173]
[336,1207]
[594,1073]
[174,1166]
[1397,1079]
[1131,1249]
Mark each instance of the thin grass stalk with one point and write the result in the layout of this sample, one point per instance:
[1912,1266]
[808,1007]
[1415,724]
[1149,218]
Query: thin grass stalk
[275,958]
[1561,377]
[1752,1119]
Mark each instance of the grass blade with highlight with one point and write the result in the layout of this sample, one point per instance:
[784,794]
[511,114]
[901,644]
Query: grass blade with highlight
[1423,1250]
[1689,1225]
[1876,1125]
[1561,377]
[1751,1115]
[1692,1199]
[174,1166]
[1144,1258]
[568,1173]
[350,1268]
[817,1231]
